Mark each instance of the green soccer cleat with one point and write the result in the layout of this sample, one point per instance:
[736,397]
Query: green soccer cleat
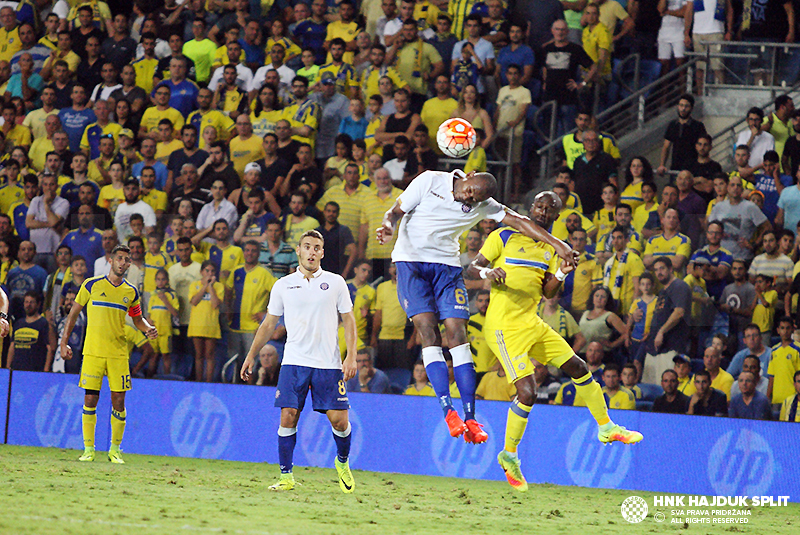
[511,467]
[619,434]
[115,455]
[346,481]
[286,482]
[88,455]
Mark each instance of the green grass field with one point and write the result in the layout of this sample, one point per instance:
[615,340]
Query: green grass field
[46,491]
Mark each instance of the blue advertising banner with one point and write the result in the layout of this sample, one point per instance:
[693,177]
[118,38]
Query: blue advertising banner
[680,454]
[46,408]
[4,378]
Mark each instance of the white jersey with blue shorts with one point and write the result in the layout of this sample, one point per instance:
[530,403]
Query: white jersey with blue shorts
[427,251]
[311,358]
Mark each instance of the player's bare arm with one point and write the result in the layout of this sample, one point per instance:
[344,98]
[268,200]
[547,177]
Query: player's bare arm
[349,367]
[66,351]
[532,230]
[390,219]
[3,314]
[552,283]
[479,268]
[143,325]
[263,335]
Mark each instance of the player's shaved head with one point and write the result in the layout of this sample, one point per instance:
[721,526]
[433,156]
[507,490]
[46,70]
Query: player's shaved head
[486,182]
[545,208]
[473,187]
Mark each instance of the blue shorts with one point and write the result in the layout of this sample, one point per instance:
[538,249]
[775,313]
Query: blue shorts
[429,287]
[328,392]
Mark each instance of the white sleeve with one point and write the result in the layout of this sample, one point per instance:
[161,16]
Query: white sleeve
[149,216]
[493,210]
[343,302]
[415,191]
[212,85]
[61,8]
[275,306]
[257,79]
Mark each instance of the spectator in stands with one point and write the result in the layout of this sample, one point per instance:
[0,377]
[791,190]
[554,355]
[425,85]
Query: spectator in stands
[296,222]
[269,366]
[469,108]
[669,330]
[738,300]
[622,218]
[771,183]
[681,137]
[375,204]
[74,119]
[691,206]
[26,277]
[132,205]
[189,153]
[772,263]
[683,367]
[181,275]
[778,123]
[546,385]
[788,215]
[417,62]
[481,51]
[670,245]
[647,22]
[599,321]
[276,255]
[368,379]
[148,152]
[216,167]
[45,220]
[674,35]
[341,245]
[218,208]
[783,364]
[420,386]
[708,26]
[515,53]
[567,394]
[752,364]
[87,195]
[790,158]
[539,16]
[741,237]
[34,341]
[388,325]
[495,386]
[789,412]
[334,108]
[205,298]
[704,168]
[750,403]
[706,400]
[618,396]
[189,191]
[593,169]
[622,270]
[587,274]
[720,379]
[86,240]
[719,258]
[596,40]
[102,266]
[671,401]
[513,102]
[757,140]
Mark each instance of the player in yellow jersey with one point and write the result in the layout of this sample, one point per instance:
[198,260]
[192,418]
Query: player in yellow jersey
[161,308]
[105,352]
[523,271]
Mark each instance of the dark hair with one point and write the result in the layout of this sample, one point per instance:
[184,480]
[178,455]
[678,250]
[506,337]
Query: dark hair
[611,367]
[37,295]
[626,206]
[137,217]
[751,326]
[771,156]
[755,110]
[782,100]
[669,370]
[183,240]
[30,178]
[706,137]
[663,260]
[647,171]
[257,191]
[482,292]
[690,99]
[704,373]
[647,276]
[133,239]
[610,303]
[334,204]
[339,41]
[347,141]
[401,140]
[742,147]
[188,126]
[301,193]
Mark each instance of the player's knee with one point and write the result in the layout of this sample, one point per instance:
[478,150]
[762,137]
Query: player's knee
[575,367]
[118,401]
[289,417]
[526,391]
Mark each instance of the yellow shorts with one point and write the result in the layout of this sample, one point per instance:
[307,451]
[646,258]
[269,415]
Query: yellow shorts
[517,347]
[162,344]
[94,368]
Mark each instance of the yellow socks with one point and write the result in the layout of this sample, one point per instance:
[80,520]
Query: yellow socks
[515,424]
[89,419]
[592,394]
[117,426]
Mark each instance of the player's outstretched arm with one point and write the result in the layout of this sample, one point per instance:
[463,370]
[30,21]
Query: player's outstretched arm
[390,219]
[144,326]
[478,268]
[349,367]
[532,230]
[263,335]
[4,311]
[66,351]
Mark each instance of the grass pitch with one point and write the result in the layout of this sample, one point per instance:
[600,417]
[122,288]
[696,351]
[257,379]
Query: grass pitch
[46,491]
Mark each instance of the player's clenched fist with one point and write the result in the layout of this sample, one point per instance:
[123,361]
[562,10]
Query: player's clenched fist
[152,333]
[66,351]
[384,233]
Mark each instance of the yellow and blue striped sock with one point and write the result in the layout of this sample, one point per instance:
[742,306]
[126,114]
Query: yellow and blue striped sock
[592,394]
[117,426]
[89,420]
[516,423]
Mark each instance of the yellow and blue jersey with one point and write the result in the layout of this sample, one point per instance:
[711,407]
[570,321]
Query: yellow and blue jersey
[525,262]
[145,70]
[641,328]
[560,227]
[344,75]
[152,263]
[783,364]
[221,122]
[605,222]
[158,313]
[632,196]
[94,132]
[679,244]
[364,300]
[306,114]
[764,316]
[641,215]
[427,390]
[10,194]
[623,399]
[169,247]
[106,307]
[789,412]
[250,296]
[18,213]
[225,259]
[481,352]
[579,283]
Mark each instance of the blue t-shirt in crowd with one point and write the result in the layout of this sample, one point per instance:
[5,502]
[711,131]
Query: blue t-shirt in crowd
[74,123]
[87,244]
[766,185]
[354,129]
[161,174]
[789,202]
[312,35]
[379,384]
[253,53]
[19,282]
[759,409]
[183,97]
[522,56]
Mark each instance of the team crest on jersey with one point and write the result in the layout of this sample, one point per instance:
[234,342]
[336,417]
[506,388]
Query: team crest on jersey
[324,286]
[547,255]
[466,208]
[124,299]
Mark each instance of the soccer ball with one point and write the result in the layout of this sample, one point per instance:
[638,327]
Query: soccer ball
[456,137]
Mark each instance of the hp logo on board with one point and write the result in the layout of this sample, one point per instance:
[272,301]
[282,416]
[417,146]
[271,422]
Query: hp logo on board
[200,426]
[456,458]
[315,436]
[592,465]
[58,417]
[741,464]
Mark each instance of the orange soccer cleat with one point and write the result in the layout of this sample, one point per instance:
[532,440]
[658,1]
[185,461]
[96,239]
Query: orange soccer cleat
[475,433]
[455,424]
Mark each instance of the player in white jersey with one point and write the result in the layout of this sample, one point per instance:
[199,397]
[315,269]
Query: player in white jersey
[435,209]
[311,301]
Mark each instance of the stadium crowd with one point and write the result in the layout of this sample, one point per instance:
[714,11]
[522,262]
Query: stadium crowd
[208,136]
